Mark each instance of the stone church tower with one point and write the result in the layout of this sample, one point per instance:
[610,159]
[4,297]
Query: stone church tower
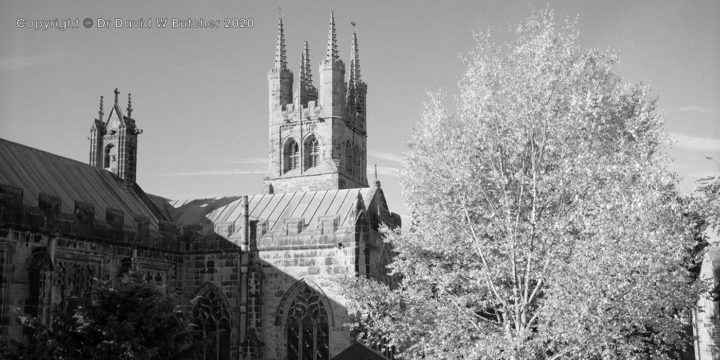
[113,141]
[317,137]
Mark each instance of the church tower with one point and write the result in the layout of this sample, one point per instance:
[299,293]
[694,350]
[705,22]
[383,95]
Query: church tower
[113,141]
[317,137]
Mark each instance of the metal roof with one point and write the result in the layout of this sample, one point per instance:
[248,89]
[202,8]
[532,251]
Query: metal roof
[274,208]
[37,171]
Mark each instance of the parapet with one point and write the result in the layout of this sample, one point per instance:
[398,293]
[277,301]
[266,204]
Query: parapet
[83,223]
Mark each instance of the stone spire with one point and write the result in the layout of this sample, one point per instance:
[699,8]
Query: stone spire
[280,56]
[332,51]
[306,91]
[305,75]
[101,113]
[129,106]
[117,92]
[354,58]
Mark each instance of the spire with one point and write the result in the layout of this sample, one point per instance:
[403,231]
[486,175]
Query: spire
[280,57]
[101,113]
[129,107]
[332,51]
[354,57]
[116,96]
[306,65]
[303,66]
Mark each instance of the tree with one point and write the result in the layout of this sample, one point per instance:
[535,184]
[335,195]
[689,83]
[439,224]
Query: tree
[133,320]
[546,224]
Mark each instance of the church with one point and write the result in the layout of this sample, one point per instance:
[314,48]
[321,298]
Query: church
[259,266]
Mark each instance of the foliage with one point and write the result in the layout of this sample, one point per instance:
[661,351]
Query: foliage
[546,224]
[131,321]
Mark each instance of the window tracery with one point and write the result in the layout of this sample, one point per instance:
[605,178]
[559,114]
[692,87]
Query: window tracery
[307,327]
[291,155]
[213,319]
[312,152]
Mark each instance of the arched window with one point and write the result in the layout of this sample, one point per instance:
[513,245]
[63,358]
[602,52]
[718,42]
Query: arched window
[307,327]
[291,155]
[110,157]
[348,157]
[212,317]
[312,152]
[356,154]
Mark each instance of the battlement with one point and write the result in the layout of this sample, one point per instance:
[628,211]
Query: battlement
[292,113]
[47,218]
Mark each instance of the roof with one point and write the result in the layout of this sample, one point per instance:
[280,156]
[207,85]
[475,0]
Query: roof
[274,208]
[37,171]
[359,351]
[310,206]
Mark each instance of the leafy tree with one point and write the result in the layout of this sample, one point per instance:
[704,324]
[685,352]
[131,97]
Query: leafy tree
[133,320]
[546,224]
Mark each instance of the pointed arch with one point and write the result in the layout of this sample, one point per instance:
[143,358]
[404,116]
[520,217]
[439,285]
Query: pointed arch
[306,317]
[311,147]
[110,159]
[290,155]
[213,320]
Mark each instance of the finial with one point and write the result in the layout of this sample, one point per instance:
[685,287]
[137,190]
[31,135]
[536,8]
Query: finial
[280,56]
[332,51]
[376,172]
[116,95]
[129,107]
[354,57]
[101,113]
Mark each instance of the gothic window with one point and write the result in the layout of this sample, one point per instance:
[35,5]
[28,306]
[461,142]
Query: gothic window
[212,317]
[356,154]
[312,152]
[307,328]
[110,157]
[348,157]
[291,155]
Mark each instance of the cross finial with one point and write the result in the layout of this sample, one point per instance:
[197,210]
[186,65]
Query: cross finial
[116,95]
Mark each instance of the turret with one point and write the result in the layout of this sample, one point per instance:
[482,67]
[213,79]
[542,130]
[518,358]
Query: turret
[305,90]
[332,78]
[113,141]
[356,88]
[280,79]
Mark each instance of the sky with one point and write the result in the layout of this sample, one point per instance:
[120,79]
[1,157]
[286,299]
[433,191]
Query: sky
[200,95]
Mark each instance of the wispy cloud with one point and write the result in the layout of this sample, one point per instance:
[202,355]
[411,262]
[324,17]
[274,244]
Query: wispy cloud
[697,109]
[12,63]
[696,143]
[383,170]
[227,161]
[390,156]
[218,172]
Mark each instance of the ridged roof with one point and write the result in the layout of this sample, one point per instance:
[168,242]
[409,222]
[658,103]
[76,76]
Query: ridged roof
[37,171]
[274,208]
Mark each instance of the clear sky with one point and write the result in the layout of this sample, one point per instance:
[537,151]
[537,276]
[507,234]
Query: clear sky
[201,95]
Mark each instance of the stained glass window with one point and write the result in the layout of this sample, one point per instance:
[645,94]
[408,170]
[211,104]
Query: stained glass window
[307,328]
[211,315]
